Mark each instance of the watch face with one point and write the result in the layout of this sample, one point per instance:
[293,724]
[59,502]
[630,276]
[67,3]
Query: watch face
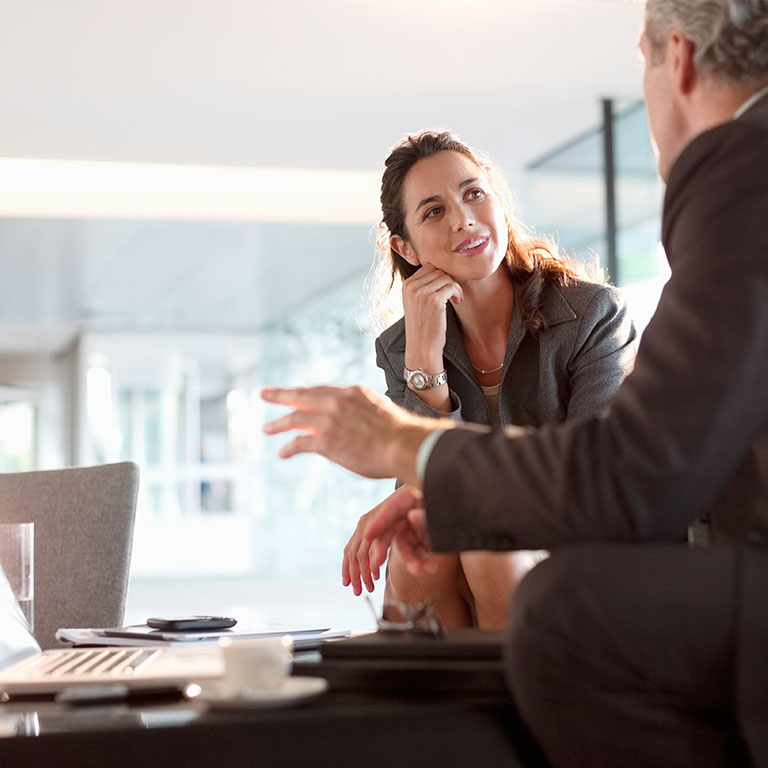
[418,380]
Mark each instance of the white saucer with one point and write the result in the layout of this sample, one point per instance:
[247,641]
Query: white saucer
[292,690]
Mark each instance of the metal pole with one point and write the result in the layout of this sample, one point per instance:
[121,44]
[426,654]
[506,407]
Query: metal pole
[610,193]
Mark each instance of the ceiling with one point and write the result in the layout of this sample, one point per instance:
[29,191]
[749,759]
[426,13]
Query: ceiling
[294,84]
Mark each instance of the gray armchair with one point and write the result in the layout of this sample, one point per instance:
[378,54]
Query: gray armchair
[83,520]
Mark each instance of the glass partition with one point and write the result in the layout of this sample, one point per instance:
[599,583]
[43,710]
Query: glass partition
[18,418]
[642,267]
[569,195]
[219,514]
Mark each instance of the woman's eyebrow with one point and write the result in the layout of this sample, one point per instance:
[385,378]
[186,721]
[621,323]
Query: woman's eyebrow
[425,201]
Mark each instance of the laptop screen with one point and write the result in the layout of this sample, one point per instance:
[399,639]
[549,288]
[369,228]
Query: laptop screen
[16,641]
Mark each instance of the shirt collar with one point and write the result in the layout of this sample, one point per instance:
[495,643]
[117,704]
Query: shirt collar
[753,99]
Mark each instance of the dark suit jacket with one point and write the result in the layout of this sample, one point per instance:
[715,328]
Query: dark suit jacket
[687,433]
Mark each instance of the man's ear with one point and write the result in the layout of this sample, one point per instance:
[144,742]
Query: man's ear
[680,57]
[402,248]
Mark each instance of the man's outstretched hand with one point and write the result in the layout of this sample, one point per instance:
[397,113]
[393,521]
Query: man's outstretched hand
[354,427]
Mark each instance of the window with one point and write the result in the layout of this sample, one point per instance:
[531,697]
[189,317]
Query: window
[221,520]
[569,196]
[18,416]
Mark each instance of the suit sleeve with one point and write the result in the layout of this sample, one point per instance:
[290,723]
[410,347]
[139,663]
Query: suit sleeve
[684,418]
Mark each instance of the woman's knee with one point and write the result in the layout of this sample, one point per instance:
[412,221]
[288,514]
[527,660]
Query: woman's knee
[406,585]
[492,578]
[445,588]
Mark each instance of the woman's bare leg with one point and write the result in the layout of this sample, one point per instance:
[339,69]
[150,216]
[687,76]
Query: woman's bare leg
[492,578]
[446,588]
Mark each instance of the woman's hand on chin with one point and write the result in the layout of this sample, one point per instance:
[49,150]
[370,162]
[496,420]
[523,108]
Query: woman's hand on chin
[425,294]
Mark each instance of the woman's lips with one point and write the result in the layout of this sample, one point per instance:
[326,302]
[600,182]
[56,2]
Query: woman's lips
[472,245]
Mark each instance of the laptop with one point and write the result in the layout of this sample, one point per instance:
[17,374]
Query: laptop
[26,670]
[138,658]
[148,668]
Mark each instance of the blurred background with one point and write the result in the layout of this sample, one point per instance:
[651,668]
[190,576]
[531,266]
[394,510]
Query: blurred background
[187,197]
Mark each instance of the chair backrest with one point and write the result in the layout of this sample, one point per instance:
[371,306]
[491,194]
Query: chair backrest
[83,520]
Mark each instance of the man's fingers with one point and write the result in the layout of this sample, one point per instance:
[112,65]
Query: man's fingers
[301,444]
[306,420]
[302,397]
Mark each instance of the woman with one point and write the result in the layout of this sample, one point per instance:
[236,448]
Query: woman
[497,329]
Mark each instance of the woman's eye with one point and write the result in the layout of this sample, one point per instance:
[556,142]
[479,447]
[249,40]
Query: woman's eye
[476,193]
[432,212]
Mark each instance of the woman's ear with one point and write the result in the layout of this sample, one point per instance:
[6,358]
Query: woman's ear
[402,248]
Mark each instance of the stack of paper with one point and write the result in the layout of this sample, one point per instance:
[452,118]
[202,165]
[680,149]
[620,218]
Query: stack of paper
[304,638]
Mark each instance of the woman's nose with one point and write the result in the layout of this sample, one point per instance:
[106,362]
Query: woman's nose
[462,219]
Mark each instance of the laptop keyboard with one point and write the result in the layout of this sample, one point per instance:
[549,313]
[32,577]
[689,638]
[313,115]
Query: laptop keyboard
[81,661]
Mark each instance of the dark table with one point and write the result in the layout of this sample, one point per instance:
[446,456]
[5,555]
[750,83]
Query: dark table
[343,727]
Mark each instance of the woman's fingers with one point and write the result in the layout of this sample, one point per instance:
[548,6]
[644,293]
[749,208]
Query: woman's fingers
[391,512]
[356,569]
[364,566]
[430,282]
[350,569]
[425,295]
[399,518]
[346,579]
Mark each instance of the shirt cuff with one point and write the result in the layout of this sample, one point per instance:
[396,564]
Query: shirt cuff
[425,450]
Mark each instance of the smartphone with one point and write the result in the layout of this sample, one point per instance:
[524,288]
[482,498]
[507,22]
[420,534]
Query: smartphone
[190,623]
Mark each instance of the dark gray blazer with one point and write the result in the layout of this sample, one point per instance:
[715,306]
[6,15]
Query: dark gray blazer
[687,433]
[573,368]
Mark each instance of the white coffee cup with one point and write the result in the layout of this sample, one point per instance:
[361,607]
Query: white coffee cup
[254,665]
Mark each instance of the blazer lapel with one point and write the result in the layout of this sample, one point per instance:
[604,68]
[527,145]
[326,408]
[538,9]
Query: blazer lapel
[555,310]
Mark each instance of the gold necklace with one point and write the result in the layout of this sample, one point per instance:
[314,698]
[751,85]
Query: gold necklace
[493,370]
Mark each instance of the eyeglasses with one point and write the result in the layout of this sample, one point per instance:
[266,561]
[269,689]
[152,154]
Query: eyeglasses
[421,619]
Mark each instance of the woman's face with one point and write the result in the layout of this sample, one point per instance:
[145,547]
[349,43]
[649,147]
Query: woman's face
[452,217]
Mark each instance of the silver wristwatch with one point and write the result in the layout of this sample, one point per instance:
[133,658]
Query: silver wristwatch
[420,379]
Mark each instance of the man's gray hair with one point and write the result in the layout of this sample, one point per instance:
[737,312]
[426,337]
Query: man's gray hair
[730,37]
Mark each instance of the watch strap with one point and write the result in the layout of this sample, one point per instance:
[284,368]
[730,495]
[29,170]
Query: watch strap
[419,379]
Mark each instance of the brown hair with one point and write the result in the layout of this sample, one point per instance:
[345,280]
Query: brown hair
[533,261]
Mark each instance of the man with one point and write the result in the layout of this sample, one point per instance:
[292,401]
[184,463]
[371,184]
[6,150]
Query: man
[622,654]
